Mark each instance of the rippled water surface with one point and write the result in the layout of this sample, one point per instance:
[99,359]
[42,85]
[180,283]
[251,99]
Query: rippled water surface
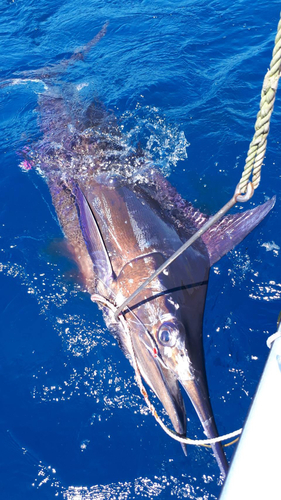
[184,79]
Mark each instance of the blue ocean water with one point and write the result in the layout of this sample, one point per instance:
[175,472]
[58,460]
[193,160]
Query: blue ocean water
[184,78]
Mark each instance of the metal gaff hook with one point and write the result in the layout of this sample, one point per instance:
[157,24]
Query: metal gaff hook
[236,197]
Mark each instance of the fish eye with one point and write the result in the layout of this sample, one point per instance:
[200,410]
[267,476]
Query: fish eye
[168,334]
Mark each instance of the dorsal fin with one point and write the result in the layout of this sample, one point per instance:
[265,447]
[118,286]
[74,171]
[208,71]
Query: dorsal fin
[227,233]
[93,238]
[219,239]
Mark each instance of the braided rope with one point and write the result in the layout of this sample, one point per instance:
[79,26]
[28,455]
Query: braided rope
[257,147]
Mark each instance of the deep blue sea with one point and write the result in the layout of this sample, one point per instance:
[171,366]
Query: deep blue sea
[184,79]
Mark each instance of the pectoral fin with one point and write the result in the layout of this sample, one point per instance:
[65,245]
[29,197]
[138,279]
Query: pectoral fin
[93,238]
[232,229]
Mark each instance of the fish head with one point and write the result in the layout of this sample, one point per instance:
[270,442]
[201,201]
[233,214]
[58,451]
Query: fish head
[165,323]
[166,318]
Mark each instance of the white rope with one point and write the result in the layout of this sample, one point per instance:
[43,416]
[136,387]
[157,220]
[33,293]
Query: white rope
[271,339]
[274,336]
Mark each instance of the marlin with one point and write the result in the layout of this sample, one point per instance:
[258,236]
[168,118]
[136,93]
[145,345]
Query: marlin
[122,219]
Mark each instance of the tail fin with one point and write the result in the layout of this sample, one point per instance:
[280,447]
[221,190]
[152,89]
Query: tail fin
[44,74]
